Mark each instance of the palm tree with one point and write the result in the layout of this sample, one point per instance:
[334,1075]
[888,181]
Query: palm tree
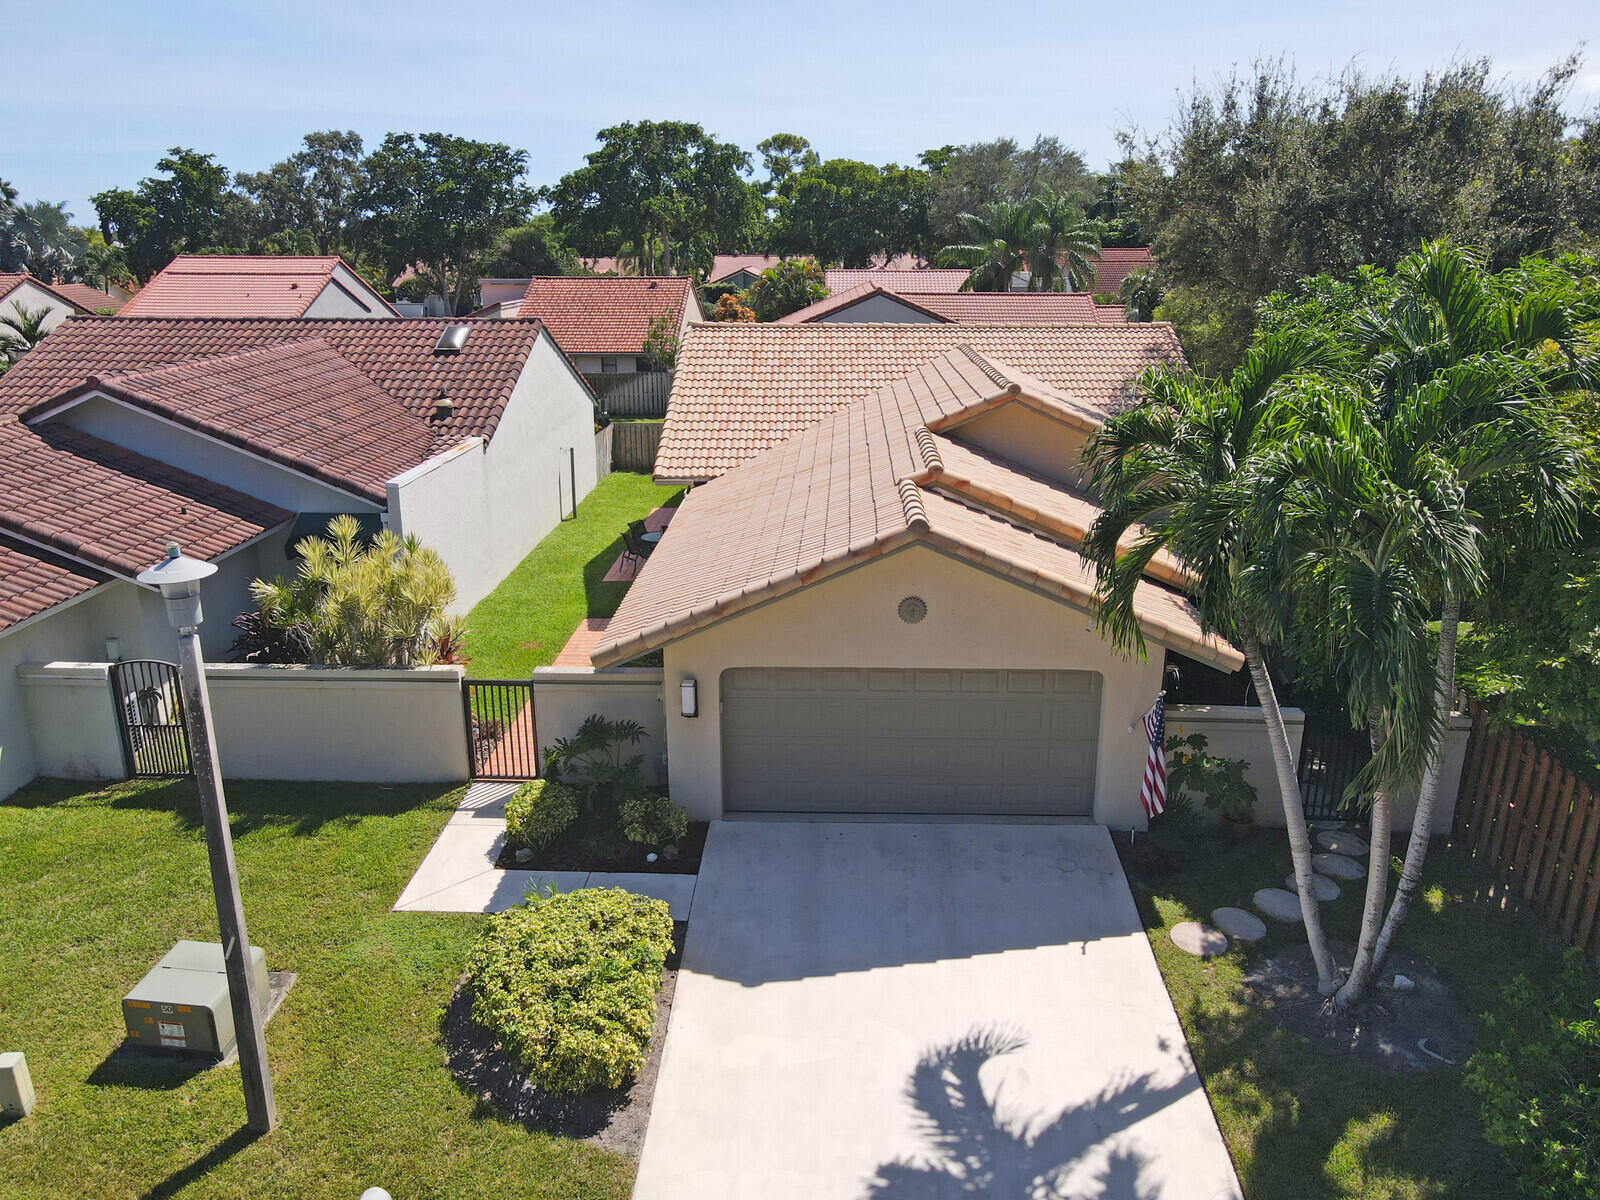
[1179,471]
[1000,236]
[21,330]
[1478,369]
[1064,241]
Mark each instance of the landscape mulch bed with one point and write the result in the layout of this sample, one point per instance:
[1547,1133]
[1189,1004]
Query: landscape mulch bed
[579,849]
[611,1119]
[1423,1028]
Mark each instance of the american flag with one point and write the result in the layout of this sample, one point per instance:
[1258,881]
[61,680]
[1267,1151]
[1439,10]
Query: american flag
[1153,794]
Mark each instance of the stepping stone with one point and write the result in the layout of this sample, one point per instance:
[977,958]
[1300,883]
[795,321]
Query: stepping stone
[1278,904]
[1337,865]
[1202,941]
[1236,922]
[1341,842]
[1322,887]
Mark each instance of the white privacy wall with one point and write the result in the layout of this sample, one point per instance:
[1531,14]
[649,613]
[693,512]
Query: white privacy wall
[484,505]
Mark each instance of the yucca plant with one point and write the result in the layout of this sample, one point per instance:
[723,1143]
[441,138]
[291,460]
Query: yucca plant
[352,605]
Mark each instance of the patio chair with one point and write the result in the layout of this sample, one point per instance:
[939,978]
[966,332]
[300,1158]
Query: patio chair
[634,545]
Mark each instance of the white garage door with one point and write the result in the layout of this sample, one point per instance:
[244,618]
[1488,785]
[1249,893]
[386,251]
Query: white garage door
[992,743]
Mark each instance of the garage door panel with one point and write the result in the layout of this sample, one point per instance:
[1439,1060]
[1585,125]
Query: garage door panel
[917,741]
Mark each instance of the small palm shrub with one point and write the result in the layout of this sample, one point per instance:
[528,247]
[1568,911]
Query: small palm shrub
[539,812]
[567,984]
[653,820]
[596,758]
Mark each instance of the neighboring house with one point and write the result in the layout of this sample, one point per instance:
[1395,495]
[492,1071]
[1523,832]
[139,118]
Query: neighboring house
[90,300]
[923,279]
[601,322]
[872,302]
[888,611]
[243,285]
[1116,264]
[21,292]
[236,438]
[741,388]
[493,292]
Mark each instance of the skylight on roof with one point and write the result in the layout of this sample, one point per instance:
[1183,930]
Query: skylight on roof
[451,339]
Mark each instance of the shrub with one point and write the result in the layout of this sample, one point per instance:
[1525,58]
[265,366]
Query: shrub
[782,289]
[653,820]
[1219,782]
[567,984]
[1537,1077]
[732,308]
[596,758]
[539,812]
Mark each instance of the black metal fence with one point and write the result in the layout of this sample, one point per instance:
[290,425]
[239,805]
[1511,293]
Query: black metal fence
[1331,753]
[502,739]
[149,704]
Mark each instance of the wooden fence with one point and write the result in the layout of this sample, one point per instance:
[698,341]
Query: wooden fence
[1535,827]
[633,445]
[633,394]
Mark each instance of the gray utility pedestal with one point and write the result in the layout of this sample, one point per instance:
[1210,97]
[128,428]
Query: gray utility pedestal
[182,1004]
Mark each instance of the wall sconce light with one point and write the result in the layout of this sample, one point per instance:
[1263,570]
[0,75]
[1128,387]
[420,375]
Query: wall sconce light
[691,698]
[113,649]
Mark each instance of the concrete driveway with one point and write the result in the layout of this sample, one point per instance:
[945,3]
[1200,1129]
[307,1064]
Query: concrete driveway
[923,1010]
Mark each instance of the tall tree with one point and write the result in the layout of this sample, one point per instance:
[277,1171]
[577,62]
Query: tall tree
[1065,241]
[1267,179]
[533,248]
[1176,473]
[39,238]
[188,207]
[783,154]
[315,193]
[965,178]
[848,212]
[999,237]
[442,201]
[668,189]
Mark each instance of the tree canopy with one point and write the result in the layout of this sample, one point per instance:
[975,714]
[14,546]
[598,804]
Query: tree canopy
[187,207]
[851,213]
[964,178]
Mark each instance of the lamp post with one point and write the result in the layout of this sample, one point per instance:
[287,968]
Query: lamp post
[179,578]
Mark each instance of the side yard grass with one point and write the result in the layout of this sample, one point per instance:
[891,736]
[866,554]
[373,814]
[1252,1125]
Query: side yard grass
[98,884]
[1305,1124]
[525,621]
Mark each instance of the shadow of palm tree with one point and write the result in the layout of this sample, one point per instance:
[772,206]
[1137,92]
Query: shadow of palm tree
[975,1148]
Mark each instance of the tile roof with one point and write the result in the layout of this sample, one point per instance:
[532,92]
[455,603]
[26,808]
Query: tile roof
[114,509]
[740,388]
[846,490]
[301,404]
[11,280]
[605,315]
[723,265]
[236,285]
[33,580]
[972,308]
[915,279]
[1115,265]
[89,299]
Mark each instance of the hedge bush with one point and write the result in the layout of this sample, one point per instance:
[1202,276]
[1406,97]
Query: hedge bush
[653,820]
[539,812]
[567,983]
[1537,1078]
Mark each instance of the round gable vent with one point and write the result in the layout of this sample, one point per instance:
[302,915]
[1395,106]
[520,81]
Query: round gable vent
[912,609]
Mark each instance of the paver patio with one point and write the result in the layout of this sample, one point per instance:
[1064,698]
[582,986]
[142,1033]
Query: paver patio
[826,961]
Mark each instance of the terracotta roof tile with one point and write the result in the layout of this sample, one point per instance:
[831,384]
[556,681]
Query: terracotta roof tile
[33,580]
[740,388]
[236,285]
[923,279]
[89,299]
[851,487]
[971,308]
[1116,263]
[603,316]
[11,280]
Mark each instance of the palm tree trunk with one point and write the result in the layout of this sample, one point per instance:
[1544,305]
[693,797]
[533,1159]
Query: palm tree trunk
[1365,967]
[1294,817]
[1428,794]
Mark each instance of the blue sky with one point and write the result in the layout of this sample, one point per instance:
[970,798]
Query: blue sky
[101,90]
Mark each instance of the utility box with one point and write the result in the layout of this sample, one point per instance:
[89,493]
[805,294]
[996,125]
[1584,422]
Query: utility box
[182,1004]
[16,1089]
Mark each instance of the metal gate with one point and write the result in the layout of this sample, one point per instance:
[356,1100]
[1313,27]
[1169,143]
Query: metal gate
[502,740]
[149,703]
[1331,753]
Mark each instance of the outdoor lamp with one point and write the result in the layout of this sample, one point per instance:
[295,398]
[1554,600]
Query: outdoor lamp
[691,698]
[178,577]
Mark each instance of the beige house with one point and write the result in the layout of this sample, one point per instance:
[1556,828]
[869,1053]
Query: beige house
[886,610]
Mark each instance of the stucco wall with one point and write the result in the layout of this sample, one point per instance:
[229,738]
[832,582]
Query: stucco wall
[193,452]
[354,299]
[483,506]
[28,296]
[594,364]
[270,722]
[564,697]
[1027,437]
[878,309]
[975,620]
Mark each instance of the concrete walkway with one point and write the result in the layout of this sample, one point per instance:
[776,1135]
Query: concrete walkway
[849,987]
[459,874]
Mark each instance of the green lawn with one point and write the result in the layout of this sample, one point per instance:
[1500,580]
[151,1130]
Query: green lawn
[96,885]
[1305,1125]
[525,621]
